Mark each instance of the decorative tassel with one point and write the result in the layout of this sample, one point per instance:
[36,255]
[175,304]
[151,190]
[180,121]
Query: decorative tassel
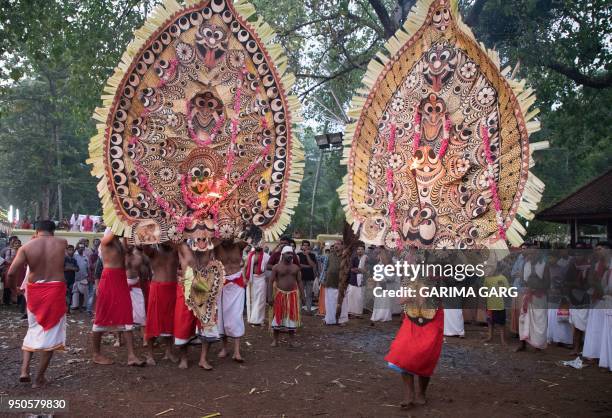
[416,137]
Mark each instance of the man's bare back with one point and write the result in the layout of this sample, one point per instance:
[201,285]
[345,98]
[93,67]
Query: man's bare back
[230,254]
[113,252]
[133,263]
[45,257]
[164,262]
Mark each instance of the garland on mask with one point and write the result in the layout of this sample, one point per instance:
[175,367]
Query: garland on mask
[416,137]
[499,218]
[390,196]
[172,67]
[209,203]
[445,138]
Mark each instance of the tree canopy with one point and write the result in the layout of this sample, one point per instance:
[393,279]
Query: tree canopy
[58,53]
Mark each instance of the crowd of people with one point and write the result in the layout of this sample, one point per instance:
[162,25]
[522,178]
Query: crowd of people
[564,297]
[126,288]
[76,223]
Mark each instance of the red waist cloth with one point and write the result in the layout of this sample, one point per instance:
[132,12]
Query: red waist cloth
[239,281]
[286,305]
[416,349]
[160,311]
[113,303]
[184,320]
[145,291]
[134,286]
[47,301]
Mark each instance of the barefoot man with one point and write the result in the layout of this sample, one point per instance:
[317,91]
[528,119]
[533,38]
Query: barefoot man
[113,303]
[185,322]
[134,265]
[162,298]
[46,298]
[283,296]
[231,302]
[415,351]
[255,270]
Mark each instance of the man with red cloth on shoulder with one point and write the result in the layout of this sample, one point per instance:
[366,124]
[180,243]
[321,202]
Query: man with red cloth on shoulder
[162,298]
[113,303]
[46,298]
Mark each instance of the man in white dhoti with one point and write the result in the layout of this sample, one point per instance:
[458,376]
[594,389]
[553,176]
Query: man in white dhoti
[533,321]
[354,291]
[577,282]
[381,312]
[134,264]
[595,324]
[332,279]
[231,302]
[46,298]
[559,329]
[605,355]
[453,323]
[255,273]
[81,280]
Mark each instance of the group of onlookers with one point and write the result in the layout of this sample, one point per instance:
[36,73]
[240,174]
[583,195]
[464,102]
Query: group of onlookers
[80,264]
[77,223]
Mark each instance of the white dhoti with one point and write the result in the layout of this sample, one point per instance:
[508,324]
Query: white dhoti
[578,318]
[138,302]
[78,289]
[256,299]
[331,302]
[594,331]
[46,309]
[37,339]
[231,307]
[381,312]
[558,331]
[605,354]
[453,323]
[354,297]
[534,322]
[209,334]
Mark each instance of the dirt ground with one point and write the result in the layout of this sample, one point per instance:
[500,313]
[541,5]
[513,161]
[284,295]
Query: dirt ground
[337,372]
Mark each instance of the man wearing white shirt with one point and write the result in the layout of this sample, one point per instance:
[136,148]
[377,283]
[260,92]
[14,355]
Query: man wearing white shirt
[81,282]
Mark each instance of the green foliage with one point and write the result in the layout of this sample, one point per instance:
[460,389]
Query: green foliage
[328,215]
[57,54]
[56,58]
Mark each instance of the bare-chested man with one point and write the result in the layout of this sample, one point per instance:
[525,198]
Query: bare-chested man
[162,298]
[134,265]
[283,296]
[185,322]
[113,305]
[231,302]
[46,298]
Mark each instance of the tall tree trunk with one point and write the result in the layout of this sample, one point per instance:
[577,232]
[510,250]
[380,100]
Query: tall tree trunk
[56,140]
[45,200]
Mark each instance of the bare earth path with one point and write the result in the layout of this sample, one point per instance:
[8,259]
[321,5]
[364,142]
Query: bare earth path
[337,372]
